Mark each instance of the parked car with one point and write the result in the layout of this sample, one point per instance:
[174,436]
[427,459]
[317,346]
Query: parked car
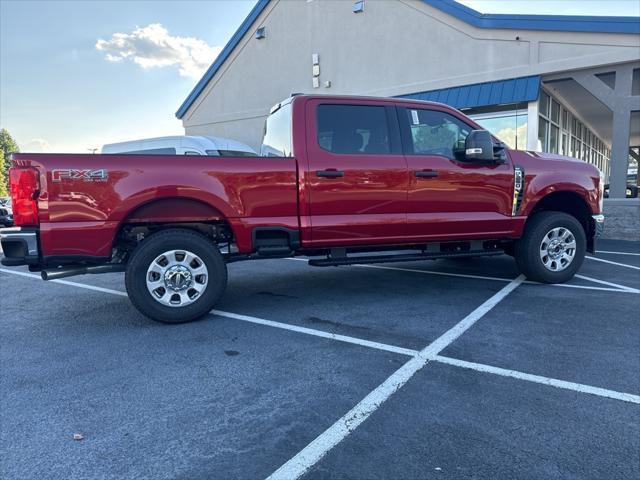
[6,217]
[182,145]
[405,179]
[632,184]
[5,201]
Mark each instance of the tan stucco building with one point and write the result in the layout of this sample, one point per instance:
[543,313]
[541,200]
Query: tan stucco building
[569,85]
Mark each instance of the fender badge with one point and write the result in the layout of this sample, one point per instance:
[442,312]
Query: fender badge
[60,174]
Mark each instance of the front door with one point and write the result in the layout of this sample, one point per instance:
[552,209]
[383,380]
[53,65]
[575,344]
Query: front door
[449,197]
[357,179]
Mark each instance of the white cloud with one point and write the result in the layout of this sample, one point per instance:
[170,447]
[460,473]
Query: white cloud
[508,136]
[36,145]
[153,47]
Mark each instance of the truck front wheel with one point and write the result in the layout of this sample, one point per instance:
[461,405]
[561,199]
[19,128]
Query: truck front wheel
[175,276]
[552,247]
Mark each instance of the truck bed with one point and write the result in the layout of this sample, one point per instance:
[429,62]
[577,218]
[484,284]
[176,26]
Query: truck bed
[85,199]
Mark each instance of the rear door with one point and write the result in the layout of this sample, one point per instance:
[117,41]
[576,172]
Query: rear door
[357,176]
[448,196]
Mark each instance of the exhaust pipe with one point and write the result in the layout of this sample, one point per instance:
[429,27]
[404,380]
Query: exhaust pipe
[63,272]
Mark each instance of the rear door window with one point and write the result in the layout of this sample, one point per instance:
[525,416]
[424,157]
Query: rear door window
[353,129]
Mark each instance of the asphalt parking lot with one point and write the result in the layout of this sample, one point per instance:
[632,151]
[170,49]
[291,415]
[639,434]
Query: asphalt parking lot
[444,370]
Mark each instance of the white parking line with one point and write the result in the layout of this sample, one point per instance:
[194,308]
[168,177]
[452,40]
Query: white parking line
[318,333]
[433,272]
[318,448]
[618,253]
[427,272]
[576,387]
[65,282]
[581,287]
[619,288]
[247,318]
[602,282]
[613,263]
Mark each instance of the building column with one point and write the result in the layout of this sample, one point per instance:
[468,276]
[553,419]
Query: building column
[532,126]
[621,102]
[619,154]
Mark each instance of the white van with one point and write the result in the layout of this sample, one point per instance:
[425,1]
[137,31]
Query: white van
[182,145]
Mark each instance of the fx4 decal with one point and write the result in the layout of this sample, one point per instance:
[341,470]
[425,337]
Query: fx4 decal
[60,174]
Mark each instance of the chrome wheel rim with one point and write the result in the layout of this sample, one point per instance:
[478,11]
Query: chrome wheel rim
[558,249]
[177,278]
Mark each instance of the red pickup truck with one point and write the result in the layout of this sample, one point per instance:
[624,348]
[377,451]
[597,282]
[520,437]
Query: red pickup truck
[343,180]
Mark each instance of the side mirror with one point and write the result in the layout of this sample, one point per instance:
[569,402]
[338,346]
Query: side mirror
[479,146]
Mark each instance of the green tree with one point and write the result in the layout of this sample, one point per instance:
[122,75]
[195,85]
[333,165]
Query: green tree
[7,145]
[3,179]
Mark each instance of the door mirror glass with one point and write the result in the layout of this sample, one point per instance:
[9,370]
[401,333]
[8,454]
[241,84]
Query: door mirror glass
[478,146]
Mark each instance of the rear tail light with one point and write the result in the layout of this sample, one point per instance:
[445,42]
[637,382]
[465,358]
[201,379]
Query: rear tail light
[25,186]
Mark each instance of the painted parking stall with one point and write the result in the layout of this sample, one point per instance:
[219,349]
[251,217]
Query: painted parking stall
[295,381]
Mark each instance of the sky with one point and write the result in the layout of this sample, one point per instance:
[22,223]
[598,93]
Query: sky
[77,74]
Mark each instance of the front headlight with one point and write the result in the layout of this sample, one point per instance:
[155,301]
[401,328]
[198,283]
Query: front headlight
[601,191]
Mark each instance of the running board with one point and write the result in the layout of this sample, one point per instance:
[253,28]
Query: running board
[405,257]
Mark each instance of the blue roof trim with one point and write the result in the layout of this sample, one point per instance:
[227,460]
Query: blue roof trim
[571,23]
[222,57]
[472,17]
[515,90]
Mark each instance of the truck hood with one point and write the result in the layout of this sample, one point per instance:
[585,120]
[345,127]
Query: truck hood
[541,162]
[553,156]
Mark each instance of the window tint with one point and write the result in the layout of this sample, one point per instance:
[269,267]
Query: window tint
[235,153]
[277,133]
[436,133]
[353,129]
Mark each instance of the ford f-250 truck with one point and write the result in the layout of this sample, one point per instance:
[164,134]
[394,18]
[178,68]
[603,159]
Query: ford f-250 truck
[343,180]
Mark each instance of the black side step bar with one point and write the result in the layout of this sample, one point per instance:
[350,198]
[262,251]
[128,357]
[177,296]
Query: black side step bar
[404,257]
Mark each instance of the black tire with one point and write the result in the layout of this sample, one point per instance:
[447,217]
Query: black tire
[167,240]
[527,249]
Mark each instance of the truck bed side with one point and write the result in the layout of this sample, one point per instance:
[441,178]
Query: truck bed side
[85,199]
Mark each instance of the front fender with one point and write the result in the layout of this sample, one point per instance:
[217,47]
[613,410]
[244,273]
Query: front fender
[543,185]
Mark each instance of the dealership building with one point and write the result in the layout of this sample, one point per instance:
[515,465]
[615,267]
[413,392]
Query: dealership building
[559,84]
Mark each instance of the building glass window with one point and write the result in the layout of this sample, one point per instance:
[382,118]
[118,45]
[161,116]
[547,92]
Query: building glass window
[560,131]
[543,134]
[509,126]
[544,103]
[553,139]
[555,111]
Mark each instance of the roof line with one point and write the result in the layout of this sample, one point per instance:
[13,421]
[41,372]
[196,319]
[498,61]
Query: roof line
[572,23]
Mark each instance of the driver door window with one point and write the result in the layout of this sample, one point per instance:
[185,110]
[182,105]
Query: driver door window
[432,132]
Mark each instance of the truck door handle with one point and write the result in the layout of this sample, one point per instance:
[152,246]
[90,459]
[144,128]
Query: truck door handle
[330,173]
[426,173]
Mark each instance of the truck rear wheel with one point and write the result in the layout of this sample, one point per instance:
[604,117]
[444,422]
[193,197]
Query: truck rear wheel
[552,248]
[175,276]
